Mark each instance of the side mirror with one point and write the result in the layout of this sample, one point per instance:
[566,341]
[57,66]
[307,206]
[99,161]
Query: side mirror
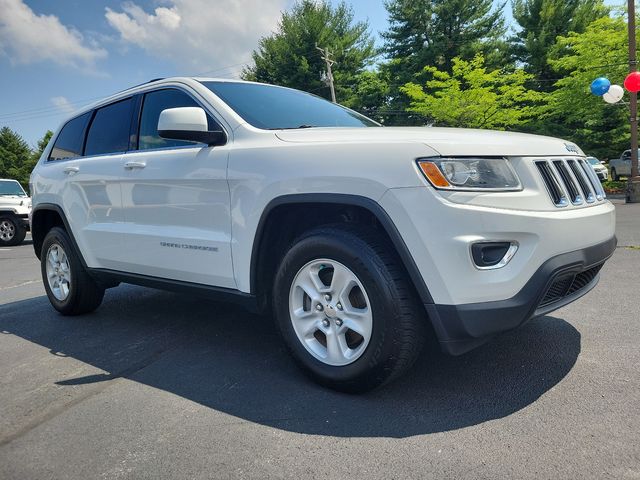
[188,123]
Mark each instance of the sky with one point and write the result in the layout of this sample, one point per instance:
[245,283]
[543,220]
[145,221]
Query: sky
[56,56]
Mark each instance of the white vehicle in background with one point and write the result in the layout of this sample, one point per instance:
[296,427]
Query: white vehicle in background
[599,168]
[361,239]
[15,207]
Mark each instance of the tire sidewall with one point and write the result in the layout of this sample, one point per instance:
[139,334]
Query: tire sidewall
[366,265]
[19,230]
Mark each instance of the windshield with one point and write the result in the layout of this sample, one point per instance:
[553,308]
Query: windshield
[11,187]
[593,161]
[274,108]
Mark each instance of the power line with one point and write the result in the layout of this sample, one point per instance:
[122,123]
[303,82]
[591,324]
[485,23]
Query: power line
[45,109]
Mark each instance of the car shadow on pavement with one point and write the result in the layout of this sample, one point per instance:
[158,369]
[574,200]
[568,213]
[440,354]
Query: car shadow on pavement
[226,359]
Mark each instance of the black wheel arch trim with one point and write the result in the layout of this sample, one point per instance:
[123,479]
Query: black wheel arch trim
[342,199]
[52,207]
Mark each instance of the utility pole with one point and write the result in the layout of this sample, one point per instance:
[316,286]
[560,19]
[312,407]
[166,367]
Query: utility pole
[633,187]
[326,56]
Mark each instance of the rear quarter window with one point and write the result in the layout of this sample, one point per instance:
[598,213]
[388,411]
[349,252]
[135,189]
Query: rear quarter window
[70,139]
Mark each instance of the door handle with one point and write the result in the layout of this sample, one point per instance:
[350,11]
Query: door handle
[71,170]
[132,165]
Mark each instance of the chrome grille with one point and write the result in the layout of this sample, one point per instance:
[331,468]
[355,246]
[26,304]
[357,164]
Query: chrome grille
[552,184]
[570,180]
[583,181]
[593,179]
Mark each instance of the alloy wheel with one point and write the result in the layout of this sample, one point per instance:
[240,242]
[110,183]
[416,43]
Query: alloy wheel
[330,312]
[7,230]
[58,272]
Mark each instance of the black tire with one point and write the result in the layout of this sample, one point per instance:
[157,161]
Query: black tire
[614,175]
[84,294]
[398,326]
[12,231]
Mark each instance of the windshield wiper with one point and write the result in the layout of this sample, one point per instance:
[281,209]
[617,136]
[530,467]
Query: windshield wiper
[294,128]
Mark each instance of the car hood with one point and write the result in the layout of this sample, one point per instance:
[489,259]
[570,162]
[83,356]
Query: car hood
[14,200]
[446,141]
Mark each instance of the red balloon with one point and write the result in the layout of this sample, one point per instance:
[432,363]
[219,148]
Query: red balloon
[632,82]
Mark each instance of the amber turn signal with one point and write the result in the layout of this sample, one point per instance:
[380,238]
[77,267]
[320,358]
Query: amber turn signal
[433,174]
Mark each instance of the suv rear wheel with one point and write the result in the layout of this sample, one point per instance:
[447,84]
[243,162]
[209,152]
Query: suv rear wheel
[346,310]
[69,287]
[12,232]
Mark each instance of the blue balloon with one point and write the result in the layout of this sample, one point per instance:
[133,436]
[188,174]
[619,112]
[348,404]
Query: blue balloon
[600,86]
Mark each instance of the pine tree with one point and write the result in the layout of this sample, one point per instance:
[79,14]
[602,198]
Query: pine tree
[431,33]
[542,22]
[289,56]
[14,156]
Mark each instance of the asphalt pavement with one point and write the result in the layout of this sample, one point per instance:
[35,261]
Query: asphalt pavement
[162,385]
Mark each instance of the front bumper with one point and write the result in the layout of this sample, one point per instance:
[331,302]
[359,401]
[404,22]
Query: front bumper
[24,219]
[559,281]
[602,175]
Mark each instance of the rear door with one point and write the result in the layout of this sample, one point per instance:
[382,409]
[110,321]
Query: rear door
[176,201]
[91,196]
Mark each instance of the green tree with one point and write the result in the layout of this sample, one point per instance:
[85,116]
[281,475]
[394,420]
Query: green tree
[368,94]
[542,22]
[289,56]
[473,97]
[15,156]
[41,145]
[433,33]
[576,114]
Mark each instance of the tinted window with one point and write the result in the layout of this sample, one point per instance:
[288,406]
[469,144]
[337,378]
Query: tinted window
[109,130]
[70,140]
[156,102]
[269,107]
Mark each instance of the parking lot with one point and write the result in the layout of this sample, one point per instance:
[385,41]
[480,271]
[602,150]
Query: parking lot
[157,384]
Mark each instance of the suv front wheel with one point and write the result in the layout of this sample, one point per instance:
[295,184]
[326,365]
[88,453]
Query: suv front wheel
[346,310]
[69,287]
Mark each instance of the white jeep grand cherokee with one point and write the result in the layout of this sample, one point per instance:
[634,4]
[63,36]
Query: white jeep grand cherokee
[362,239]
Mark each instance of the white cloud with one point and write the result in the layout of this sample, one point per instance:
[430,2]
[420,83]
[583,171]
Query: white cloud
[63,104]
[26,37]
[199,35]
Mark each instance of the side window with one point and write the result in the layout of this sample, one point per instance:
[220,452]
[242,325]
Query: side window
[626,155]
[156,102]
[109,130]
[70,140]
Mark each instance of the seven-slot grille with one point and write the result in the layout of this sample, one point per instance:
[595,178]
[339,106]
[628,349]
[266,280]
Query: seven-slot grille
[570,180]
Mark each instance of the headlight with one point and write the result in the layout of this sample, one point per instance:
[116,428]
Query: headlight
[470,173]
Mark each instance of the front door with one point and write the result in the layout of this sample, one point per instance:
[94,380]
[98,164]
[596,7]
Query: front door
[176,202]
